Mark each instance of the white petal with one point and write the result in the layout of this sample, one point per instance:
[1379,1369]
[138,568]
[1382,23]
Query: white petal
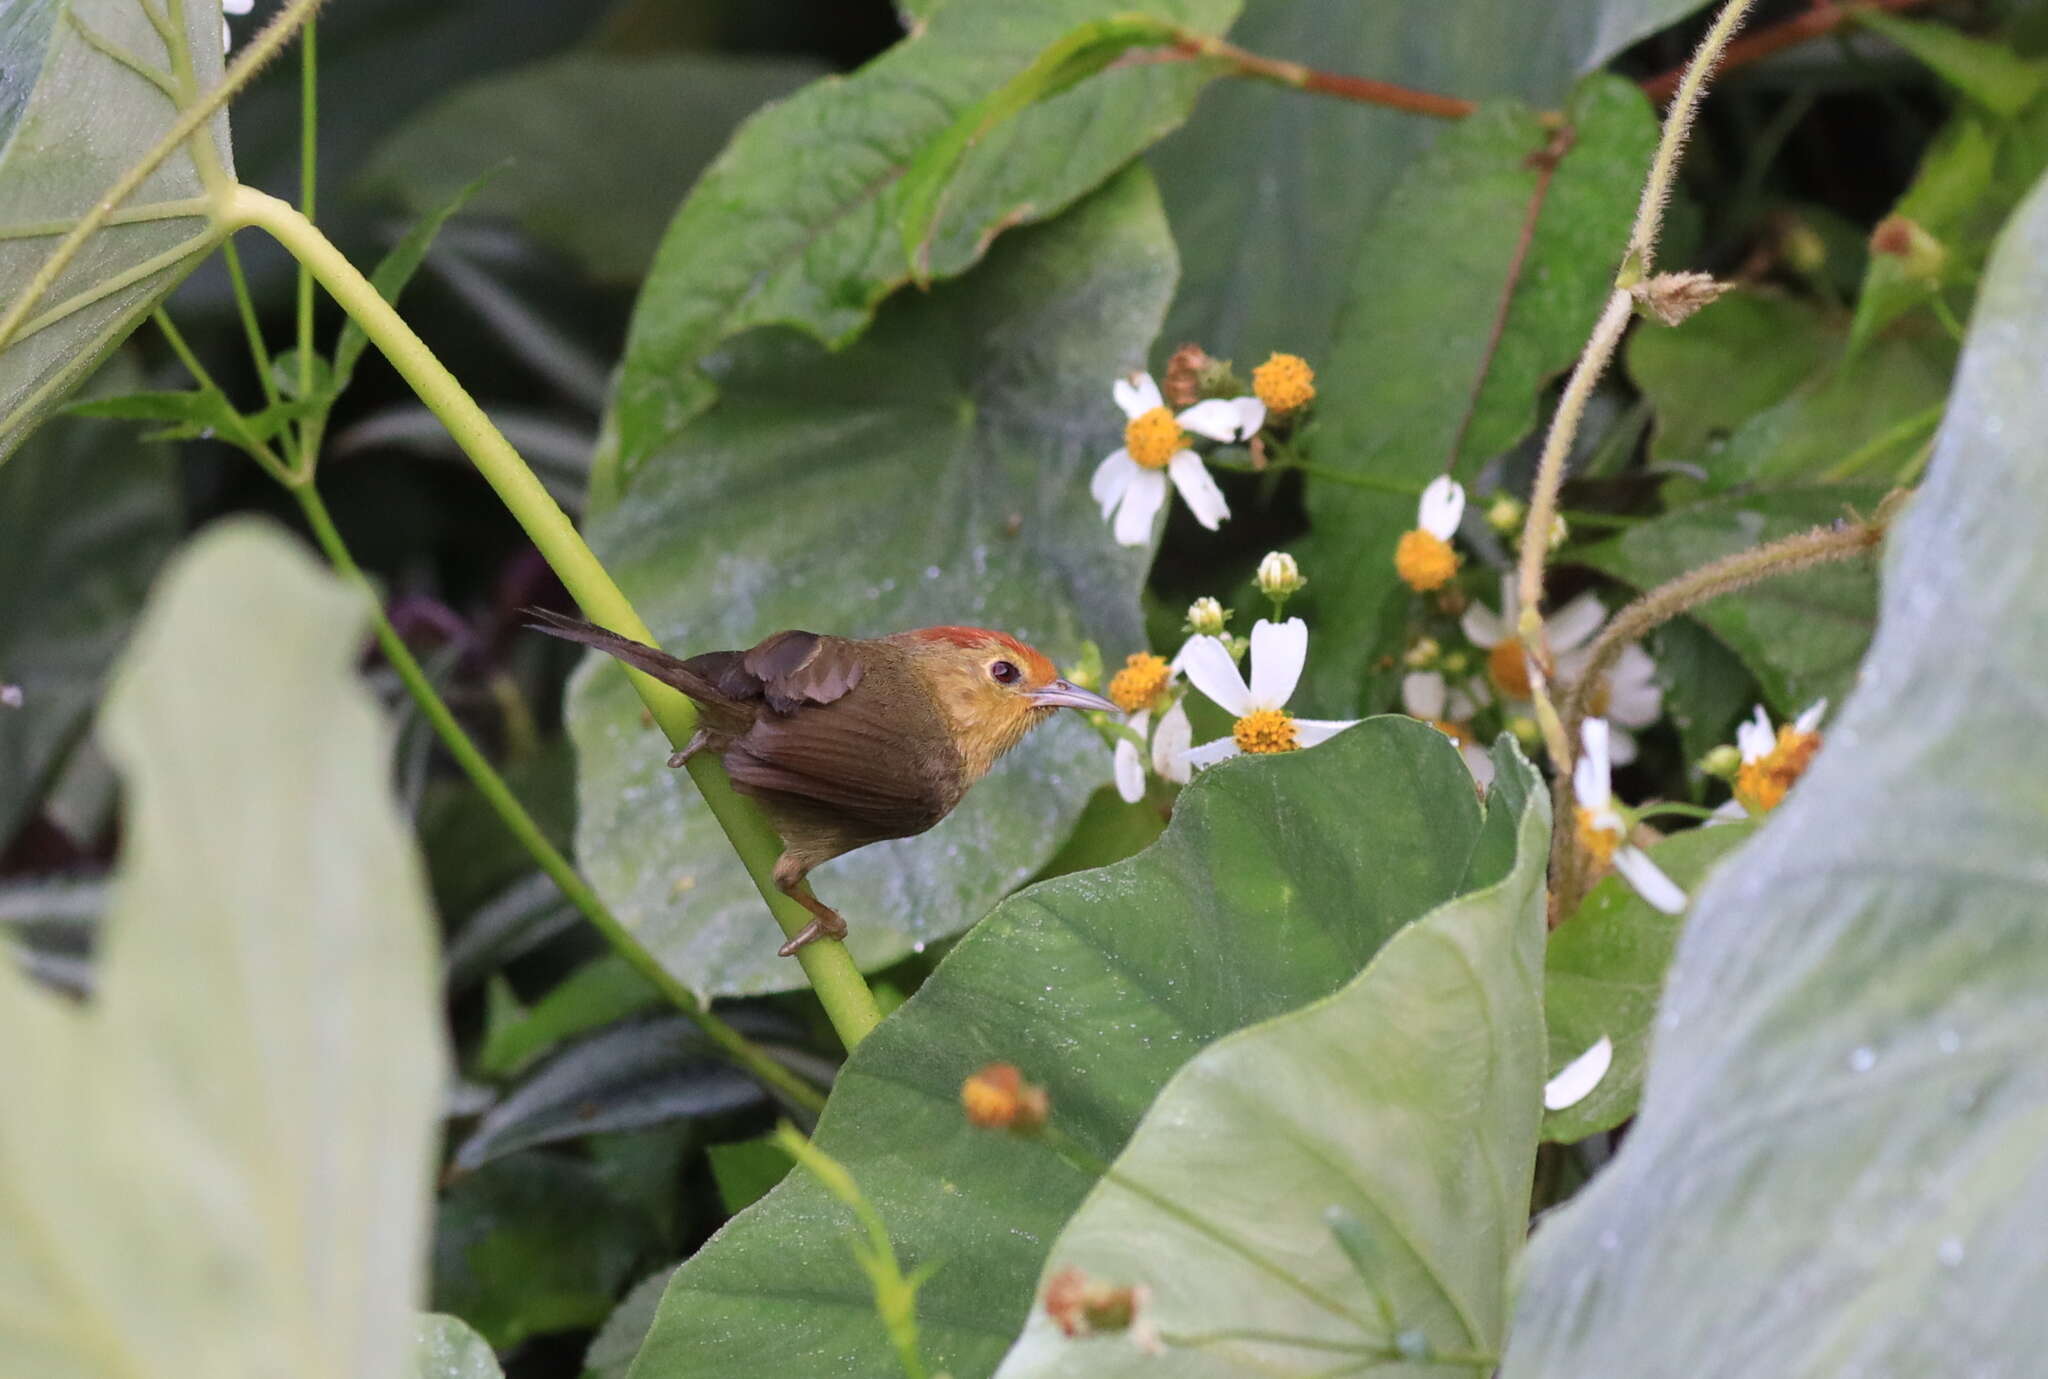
[1756,738]
[1476,690]
[1142,500]
[1593,777]
[1485,628]
[1649,880]
[1209,669]
[1170,744]
[1130,773]
[1808,721]
[1621,746]
[1459,706]
[1279,650]
[1478,761]
[237,6]
[1217,418]
[1572,625]
[1442,507]
[1136,394]
[1727,812]
[1634,698]
[1209,753]
[1577,1079]
[1203,498]
[1112,477]
[227,35]
[1313,732]
[1251,415]
[1423,694]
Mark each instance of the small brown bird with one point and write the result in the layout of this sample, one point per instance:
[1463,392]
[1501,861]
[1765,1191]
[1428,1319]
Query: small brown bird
[846,742]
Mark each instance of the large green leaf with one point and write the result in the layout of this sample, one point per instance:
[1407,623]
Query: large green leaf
[1602,974]
[448,1349]
[1267,188]
[796,223]
[1838,1166]
[78,554]
[581,132]
[1801,635]
[1278,879]
[935,473]
[50,176]
[1408,1102]
[221,1165]
[1731,360]
[1412,349]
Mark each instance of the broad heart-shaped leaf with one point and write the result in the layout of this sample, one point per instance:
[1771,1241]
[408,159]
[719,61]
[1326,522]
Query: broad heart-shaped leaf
[1838,1167]
[1603,971]
[1266,189]
[581,131]
[1412,358]
[86,515]
[1801,635]
[1408,1102]
[937,472]
[796,223]
[446,1348]
[50,176]
[221,1165]
[1277,880]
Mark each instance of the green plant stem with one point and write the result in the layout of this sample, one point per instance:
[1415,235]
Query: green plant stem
[838,983]
[255,448]
[309,162]
[259,352]
[522,827]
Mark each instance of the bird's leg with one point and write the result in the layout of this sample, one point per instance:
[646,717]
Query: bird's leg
[698,741]
[789,879]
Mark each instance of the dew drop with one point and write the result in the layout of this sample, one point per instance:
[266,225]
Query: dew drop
[1610,1241]
[1949,1252]
[1948,1041]
[1863,1060]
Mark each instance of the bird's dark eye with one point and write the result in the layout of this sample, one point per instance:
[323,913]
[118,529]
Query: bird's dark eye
[1004,673]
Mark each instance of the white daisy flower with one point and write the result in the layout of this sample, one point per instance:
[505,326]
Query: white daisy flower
[228,7]
[1278,652]
[1170,743]
[1630,698]
[1603,832]
[1576,1080]
[1131,484]
[1426,695]
[1773,758]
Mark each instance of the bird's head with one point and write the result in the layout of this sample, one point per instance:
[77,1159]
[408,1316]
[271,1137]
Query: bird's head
[993,688]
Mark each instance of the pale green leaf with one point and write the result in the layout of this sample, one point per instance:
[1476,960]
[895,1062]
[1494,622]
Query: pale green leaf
[1984,70]
[1407,1102]
[221,1166]
[937,472]
[50,176]
[1838,1167]
[449,1349]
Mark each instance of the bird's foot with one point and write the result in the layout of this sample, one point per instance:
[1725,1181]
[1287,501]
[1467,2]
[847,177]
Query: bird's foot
[827,925]
[695,745]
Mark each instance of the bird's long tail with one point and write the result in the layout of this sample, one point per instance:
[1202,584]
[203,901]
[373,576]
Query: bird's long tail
[656,662]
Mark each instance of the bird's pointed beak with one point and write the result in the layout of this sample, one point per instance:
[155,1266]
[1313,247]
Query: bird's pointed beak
[1064,694]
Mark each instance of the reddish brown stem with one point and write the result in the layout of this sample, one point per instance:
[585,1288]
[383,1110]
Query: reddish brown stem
[1824,18]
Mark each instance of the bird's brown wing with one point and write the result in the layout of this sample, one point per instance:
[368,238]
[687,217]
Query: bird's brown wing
[851,759]
[796,668]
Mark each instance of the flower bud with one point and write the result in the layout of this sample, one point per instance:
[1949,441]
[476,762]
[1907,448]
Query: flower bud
[1182,384]
[1284,382]
[1504,514]
[1724,761]
[1083,1306]
[1087,672]
[1559,532]
[1207,617]
[1918,253]
[1423,653]
[998,1098]
[1801,247]
[1672,297]
[1526,731]
[1279,576]
[1457,663]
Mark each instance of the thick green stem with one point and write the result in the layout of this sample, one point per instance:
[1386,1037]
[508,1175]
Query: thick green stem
[522,827]
[838,983]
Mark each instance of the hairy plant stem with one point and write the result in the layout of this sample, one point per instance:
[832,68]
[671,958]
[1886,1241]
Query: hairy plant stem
[1607,332]
[520,824]
[838,983]
[1361,89]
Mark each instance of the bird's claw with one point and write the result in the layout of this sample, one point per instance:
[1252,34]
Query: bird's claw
[818,928]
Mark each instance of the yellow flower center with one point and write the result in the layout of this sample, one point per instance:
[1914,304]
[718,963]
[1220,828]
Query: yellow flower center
[1760,785]
[1597,840]
[1284,382]
[1266,730]
[1154,437]
[1140,683]
[1424,561]
[1509,669]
